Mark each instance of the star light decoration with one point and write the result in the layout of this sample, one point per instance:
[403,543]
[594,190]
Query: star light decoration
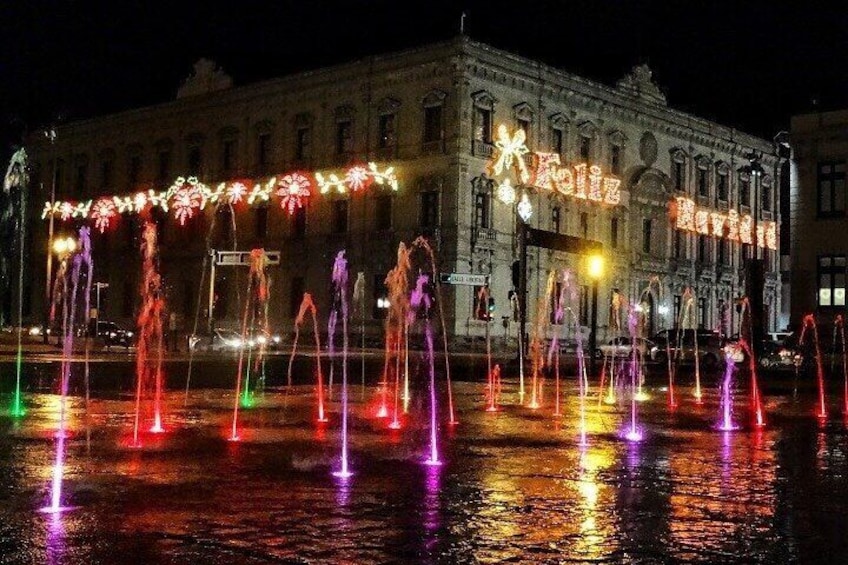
[525,208]
[293,191]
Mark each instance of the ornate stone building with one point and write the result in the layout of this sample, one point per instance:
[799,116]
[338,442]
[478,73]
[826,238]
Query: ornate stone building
[686,194]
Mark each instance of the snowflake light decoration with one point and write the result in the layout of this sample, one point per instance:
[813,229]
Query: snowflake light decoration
[236,192]
[102,213]
[139,201]
[293,191]
[66,210]
[187,198]
[357,178]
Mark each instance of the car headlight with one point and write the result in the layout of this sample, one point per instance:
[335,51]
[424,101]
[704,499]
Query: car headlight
[276,339]
[35,330]
[113,335]
[262,340]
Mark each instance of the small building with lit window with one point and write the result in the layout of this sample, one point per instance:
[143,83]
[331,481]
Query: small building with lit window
[819,246]
[672,197]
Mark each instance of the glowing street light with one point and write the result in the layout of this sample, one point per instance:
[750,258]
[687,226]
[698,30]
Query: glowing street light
[64,246]
[596,267]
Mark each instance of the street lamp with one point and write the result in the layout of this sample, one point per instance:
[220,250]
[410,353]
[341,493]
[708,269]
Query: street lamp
[51,136]
[595,270]
[63,247]
[754,272]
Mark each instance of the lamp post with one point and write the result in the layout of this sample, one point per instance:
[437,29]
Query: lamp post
[754,275]
[595,270]
[51,135]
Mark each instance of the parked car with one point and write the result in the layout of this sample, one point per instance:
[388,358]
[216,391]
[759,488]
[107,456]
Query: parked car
[114,335]
[681,345]
[622,346]
[223,339]
[775,354]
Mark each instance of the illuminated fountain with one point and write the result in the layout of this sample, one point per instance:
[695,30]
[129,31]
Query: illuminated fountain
[516,308]
[839,324]
[259,309]
[150,345]
[308,306]
[257,296]
[397,282]
[359,305]
[536,345]
[422,243]
[662,309]
[756,397]
[483,313]
[340,304]
[810,322]
[12,226]
[420,303]
[493,389]
[553,351]
[725,413]
[633,433]
[69,300]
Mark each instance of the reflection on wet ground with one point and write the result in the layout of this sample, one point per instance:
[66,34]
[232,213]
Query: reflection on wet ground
[516,487]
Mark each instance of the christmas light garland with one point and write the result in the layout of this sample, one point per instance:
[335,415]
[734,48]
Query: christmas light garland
[688,217]
[187,196]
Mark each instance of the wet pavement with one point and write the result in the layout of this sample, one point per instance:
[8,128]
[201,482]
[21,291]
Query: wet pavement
[514,487]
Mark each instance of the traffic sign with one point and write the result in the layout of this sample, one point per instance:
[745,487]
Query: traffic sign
[242,258]
[464,279]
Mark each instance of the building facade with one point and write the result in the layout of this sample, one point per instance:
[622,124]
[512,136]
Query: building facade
[677,201]
[817,194]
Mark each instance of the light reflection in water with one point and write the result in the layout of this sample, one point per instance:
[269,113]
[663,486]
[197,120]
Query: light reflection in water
[432,511]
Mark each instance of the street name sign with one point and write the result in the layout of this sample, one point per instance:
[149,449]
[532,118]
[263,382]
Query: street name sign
[464,279]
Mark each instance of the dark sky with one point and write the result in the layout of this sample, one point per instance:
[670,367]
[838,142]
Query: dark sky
[748,64]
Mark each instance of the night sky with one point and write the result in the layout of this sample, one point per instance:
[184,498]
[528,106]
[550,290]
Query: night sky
[748,64]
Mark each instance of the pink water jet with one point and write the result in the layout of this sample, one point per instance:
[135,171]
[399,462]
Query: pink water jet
[420,302]
[634,433]
[422,243]
[810,322]
[150,343]
[493,389]
[307,305]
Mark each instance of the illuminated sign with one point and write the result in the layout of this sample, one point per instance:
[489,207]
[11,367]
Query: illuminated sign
[546,172]
[689,217]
